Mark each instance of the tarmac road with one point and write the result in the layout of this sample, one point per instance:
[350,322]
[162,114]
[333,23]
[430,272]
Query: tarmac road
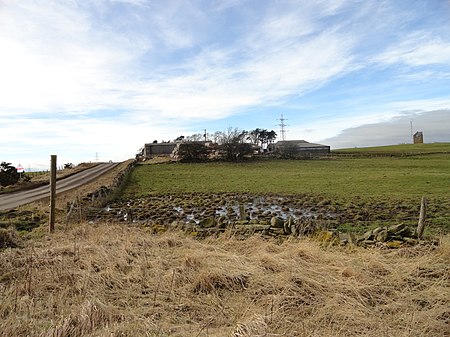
[12,200]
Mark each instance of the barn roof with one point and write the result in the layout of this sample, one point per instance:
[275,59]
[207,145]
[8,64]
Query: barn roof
[299,143]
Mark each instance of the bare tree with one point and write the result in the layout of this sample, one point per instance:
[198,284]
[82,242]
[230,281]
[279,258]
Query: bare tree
[233,144]
[196,137]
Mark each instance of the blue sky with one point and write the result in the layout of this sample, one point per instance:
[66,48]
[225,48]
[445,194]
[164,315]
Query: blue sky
[80,77]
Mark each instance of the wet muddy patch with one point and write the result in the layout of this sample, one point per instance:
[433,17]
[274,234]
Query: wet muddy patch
[194,208]
[207,210]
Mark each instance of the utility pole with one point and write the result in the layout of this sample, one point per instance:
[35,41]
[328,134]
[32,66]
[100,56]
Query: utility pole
[96,157]
[52,192]
[412,137]
[282,126]
[204,135]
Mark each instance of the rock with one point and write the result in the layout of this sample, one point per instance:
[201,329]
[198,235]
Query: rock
[396,228]
[276,231]
[411,241]
[382,235]
[377,230]
[242,213]
[276,222]
[369,234]
[176,224]
[394,244]
[207,223]
[404,232]
[330,237]
[287,226]
[223,221]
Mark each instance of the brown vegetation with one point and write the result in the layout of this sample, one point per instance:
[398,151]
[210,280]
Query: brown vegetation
[116,280]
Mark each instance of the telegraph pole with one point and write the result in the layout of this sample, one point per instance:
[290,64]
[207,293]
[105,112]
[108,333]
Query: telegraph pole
[52,192]
[412,137]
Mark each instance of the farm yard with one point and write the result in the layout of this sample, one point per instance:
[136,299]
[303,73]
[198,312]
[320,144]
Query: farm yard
[148,262]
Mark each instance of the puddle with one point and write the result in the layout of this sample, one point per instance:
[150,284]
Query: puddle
[188,209]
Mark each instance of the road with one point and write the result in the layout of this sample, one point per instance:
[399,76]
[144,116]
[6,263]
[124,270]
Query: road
[12,200]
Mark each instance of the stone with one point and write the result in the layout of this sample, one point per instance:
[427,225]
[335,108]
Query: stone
[207,223]
[396,228]
[411,241]
[367,235]
[242,213]
[287,225]
[330,237]
[276,222]
[382,235]
[394,244]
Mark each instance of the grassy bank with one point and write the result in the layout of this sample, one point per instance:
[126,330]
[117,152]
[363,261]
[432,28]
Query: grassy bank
[110,280]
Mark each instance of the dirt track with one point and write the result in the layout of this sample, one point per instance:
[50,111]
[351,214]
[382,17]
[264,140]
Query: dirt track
[16,199]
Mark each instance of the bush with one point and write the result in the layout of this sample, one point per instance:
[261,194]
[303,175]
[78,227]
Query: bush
[235,151]
[9,238]
[191,152]
[8,174]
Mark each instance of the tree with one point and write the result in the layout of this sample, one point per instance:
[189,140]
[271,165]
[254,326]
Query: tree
[232,142]
[261,137]
[179,139]
[191,152]
[8,174]
[196,137]
[253,136]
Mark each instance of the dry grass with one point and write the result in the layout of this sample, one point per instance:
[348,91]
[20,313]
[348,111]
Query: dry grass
[111,280]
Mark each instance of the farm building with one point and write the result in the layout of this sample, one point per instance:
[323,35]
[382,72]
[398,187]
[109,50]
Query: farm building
[299,147]
[418,137]
[165,149]
[158,149]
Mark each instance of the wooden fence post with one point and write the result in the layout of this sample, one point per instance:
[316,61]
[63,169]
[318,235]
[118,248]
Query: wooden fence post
[422,218]
[52,192]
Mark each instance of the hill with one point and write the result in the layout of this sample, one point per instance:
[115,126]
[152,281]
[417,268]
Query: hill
[402,148]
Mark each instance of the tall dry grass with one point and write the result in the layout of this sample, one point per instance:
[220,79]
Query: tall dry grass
[111,280]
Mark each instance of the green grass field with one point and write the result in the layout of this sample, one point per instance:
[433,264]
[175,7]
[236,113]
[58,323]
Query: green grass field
[369,191]
[402,148]
[364,177]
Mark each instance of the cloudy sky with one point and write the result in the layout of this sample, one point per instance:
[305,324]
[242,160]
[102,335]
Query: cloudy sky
[99,78]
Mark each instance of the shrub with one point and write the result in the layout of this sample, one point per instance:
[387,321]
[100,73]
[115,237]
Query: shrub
[9,238]
[8,174]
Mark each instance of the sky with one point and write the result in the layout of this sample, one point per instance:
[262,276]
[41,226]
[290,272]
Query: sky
[92,80]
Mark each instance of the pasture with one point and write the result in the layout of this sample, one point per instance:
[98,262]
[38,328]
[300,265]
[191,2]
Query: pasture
[367,191]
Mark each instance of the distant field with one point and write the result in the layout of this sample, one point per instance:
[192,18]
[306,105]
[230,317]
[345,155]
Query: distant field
[404,148]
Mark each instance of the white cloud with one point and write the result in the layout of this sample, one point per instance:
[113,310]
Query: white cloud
[417,49]
[56,65]
[434,124]
[420,105]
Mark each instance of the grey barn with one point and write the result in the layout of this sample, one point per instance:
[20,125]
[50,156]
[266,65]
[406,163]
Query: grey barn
[301,147]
